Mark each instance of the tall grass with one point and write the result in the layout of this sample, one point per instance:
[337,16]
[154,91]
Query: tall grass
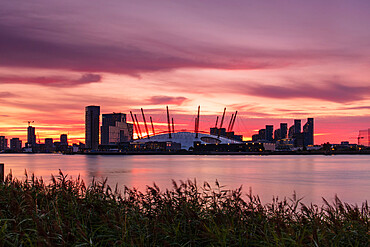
[66,212]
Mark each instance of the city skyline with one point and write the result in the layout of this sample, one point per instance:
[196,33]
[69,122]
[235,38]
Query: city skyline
[271,62]
[113,128]
[293,125]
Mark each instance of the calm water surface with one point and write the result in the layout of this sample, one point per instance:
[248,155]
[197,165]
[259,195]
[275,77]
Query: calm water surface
[311,177]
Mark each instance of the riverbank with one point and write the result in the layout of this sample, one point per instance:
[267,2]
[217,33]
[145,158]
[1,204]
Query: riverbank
[184,152]
[68,212]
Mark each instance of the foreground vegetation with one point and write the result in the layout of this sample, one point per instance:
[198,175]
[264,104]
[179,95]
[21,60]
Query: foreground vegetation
[68,213]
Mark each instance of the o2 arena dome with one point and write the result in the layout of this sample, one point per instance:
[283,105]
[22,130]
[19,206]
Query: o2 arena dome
[187,139]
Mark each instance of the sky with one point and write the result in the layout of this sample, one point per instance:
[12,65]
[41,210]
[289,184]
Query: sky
[272,61]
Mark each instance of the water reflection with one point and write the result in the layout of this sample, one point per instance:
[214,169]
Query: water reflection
[312,177]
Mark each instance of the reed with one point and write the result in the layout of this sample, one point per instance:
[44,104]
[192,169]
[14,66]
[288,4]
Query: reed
[66,212]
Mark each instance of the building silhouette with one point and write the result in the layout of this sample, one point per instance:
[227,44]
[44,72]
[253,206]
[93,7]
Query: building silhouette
[63,139]
[31,136]
[297,126]
[308,131]
[261,136]
[283,130]
[115,129]
[277,134]
[299,139]
[92,116]
[286,139]
[15,144]
[218,131]
[269,132]
[49,145]
[3,143]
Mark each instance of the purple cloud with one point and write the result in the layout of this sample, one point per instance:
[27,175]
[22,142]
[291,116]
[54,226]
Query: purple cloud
[330,91]
[88,78]
[161,100]
[129,38]
[6,95]
[23,47]
[59,81]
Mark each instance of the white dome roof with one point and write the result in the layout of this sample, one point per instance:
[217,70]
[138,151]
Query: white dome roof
[187,139]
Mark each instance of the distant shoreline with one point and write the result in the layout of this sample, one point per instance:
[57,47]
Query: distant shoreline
[228,153]
[362,152]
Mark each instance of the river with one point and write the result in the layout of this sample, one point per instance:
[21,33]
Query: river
[310,176]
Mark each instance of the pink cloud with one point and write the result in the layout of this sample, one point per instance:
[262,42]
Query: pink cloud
[328,91]
[7,95]
[26,49]
[163,100]
[54,81]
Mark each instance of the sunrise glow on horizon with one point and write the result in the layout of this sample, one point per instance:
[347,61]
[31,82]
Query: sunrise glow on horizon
[272,62]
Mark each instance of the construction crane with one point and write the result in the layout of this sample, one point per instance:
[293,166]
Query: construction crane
[29,123]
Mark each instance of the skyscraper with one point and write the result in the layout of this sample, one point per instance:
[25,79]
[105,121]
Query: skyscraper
[115,129]
[277,134]
[262,134]
[3,143]
[63,139]
[283,130]
[269,132]
[31,136]
[92,115]
[297,126]
[308,131]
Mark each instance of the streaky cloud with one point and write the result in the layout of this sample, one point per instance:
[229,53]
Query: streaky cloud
[161,99]
[53,81]
[7,95]
[26,49]
[328,91]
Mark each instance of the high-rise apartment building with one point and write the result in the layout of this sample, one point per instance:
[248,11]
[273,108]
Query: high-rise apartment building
[115,129]
[308,132]
[92,116]
[3,143]
[283,130]
[297,126]
[269,132]
[277,134]
[31,136]
[64,139]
